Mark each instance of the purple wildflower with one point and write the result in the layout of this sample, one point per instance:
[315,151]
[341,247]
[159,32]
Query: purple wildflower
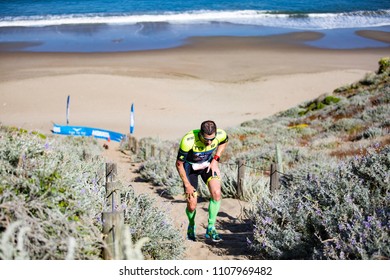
[267,220]
[342,255]
[366,224]
[164,223]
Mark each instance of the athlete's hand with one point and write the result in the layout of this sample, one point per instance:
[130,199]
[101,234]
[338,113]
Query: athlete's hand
[190,191]
[214,169]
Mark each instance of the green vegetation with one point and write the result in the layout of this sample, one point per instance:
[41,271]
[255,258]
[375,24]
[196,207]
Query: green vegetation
[340,212]
[52,198]
[147,220]
[319,104]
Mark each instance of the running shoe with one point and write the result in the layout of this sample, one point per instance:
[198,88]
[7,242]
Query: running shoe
[191,233]
[212,233]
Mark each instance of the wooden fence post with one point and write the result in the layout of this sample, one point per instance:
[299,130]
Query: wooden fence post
[112,195]
[274,177]
[153,151]
[135,146]
[111,172]
[86,156]
[279,159]
[113,223]
[241,179]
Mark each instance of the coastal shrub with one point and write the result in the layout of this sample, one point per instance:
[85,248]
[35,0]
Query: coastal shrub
[163,173]
[328,142]
[376,114]
[50,198]
[369,79]
[332,213]
[305,132]
[235,144]
[254,184]
[318,104]
[146,219]
[253,141]
[145,148]
[371,132]
[348,125]
[331,99]
[290,113]
[384,65]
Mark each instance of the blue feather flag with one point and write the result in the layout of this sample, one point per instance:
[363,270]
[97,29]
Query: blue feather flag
[132,119]
[67,109]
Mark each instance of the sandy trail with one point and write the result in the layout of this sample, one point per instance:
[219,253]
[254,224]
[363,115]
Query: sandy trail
[231,224]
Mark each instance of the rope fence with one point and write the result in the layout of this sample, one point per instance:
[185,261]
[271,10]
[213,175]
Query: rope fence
[113,219]
[275,172]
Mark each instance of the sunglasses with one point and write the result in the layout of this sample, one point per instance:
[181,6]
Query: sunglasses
[207,139]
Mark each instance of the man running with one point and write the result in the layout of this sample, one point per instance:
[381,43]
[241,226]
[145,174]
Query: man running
[199,154]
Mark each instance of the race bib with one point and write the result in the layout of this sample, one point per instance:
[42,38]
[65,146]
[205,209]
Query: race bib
[200,166]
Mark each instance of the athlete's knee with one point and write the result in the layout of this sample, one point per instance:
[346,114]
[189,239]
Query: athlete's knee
[216,195]
[191,206]
[215,189]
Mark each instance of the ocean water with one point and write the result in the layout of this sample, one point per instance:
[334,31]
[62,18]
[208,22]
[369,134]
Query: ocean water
[125,25]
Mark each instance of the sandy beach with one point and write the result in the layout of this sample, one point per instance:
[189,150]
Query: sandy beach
[227,79]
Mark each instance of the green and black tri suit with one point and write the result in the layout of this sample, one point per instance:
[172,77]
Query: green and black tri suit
[193,151]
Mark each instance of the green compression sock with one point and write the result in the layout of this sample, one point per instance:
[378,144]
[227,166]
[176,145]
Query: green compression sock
[213,211]
[191,216]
